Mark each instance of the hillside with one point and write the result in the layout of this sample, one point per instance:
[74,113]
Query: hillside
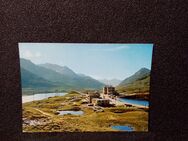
[59,69]
[41,71]
[63,76]
[30,80]
[137,83]
[80,81]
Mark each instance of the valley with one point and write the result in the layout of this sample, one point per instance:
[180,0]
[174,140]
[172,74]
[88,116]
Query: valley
[56,99]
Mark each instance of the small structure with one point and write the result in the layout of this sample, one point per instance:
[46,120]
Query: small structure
[100,102]
[92,95]
[128,105]
[109,92]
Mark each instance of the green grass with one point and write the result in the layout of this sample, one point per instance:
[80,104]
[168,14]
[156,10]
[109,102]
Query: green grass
[139,86]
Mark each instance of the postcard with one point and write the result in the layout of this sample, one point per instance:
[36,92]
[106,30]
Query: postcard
[85,87]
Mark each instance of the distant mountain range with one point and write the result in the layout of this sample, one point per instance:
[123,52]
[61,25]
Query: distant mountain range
[52,75]
[138,82]
[113,82]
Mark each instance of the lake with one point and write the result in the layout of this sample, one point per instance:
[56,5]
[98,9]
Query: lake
[134,101]
[40,96]
[71,112]
[122,128]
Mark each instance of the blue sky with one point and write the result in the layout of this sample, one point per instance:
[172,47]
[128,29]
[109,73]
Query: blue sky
[101,61]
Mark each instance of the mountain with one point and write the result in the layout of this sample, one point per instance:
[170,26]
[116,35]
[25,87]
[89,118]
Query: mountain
[59,69]
[142,73]
[138,82]
[64,76]
[113,82]
[30,80]
[41,71]
[79,80]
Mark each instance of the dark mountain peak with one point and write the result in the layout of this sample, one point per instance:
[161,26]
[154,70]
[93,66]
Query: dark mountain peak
[26,64]
[140,74]
[142,71]
[25,60]
[65,68]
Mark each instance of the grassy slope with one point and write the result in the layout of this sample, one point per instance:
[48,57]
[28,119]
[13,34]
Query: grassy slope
[62,80]
[90,121]
[30,80]
[139,86]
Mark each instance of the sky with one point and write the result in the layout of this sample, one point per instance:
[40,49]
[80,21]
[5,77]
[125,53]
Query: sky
[100,61]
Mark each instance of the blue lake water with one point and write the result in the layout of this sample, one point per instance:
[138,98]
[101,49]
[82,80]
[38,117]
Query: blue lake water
[134,101]
[71,112]
[122,128]
[41,96]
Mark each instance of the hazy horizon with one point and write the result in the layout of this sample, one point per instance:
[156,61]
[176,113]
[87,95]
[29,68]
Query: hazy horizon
[100,61]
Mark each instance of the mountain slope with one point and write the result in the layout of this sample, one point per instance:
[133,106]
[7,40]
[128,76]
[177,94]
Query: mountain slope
[64,76]
[41,71]
[138,82]
[59,69]
[30,80]
[81,81]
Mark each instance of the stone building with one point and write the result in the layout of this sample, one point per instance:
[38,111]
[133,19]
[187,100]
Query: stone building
[92,95]
[108,90]
[100,102]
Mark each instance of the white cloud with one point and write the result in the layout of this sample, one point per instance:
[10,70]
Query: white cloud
[30,55]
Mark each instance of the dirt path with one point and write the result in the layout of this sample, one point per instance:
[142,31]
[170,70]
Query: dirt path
[44,113]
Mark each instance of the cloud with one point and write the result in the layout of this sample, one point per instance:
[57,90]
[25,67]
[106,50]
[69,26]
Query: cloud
[115,48]
[30,55]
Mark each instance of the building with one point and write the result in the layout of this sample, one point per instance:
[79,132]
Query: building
[109,92]
[100,102]
[92,95]
[105,90]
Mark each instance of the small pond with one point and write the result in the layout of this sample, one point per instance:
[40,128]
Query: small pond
[122,128]
[71,112]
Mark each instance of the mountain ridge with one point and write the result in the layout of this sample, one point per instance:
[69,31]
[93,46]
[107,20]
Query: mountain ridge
[36,81]
[139,82]
[143,72]
[75,78]
[61,75]
[60,69]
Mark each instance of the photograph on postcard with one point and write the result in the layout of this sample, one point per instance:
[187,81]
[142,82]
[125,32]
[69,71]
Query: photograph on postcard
[85,87]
